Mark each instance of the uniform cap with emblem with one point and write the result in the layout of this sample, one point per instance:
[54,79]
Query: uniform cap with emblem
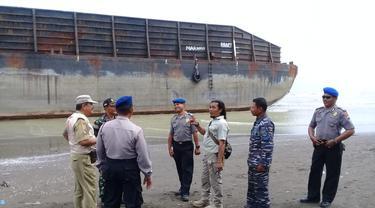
[179,100]
[124,101]
[109,102]
[331,91]
[84,99]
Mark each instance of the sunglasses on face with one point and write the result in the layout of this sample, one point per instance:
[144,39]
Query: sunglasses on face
[326,97]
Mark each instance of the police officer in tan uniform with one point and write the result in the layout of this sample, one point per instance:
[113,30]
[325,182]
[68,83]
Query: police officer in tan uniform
[326,137]
[80,134]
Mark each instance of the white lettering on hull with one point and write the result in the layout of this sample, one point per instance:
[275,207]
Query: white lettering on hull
[225,45]
[195,48]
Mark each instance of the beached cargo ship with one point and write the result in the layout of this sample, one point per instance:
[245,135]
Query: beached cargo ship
[49,57]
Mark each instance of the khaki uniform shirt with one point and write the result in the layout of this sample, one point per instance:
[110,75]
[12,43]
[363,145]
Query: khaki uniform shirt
[76,130]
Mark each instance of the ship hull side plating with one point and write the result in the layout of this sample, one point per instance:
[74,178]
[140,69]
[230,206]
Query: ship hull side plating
[49,83]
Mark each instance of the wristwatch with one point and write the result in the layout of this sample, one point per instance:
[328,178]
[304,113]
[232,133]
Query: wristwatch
[197,146]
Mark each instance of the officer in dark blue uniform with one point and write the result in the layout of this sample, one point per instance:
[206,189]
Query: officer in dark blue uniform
[325,134]
[260,156]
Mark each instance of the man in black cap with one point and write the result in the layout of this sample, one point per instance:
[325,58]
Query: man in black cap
[326,137]
[122,155]
[181,147]
[109,114]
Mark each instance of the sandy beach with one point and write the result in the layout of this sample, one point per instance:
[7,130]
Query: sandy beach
[47,181]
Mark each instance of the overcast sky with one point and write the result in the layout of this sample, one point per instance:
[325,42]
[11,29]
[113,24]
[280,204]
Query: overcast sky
[331,41]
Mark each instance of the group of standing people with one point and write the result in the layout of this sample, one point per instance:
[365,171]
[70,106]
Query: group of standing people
[122,153]
[120,149]
[184,127]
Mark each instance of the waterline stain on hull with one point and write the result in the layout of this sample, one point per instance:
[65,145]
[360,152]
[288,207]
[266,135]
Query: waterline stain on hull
[49,83]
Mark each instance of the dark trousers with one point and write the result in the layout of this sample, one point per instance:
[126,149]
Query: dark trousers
[122,183]
[183,156]
[257,190]
[331,158]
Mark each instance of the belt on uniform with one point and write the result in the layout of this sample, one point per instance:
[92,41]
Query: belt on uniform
[130,162]
[121,160]
[183,142]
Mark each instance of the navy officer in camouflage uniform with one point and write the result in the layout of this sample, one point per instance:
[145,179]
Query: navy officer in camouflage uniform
[109,114]
[260,156]
[325,134]
[109,106]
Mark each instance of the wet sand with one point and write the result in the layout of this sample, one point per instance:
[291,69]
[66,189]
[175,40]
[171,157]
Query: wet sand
[47,181]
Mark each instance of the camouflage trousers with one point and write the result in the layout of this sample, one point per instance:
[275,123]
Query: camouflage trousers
[211,178]
[101,187]
[257,191]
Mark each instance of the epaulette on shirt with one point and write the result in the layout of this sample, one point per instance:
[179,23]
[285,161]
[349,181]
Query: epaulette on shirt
[336,108]
[264,121]
[174,116]
[341,109]
[321,108]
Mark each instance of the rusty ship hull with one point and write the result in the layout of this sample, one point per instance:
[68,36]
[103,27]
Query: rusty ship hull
[39,74]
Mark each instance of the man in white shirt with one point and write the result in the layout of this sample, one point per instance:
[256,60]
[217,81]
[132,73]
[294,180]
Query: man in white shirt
[215,136]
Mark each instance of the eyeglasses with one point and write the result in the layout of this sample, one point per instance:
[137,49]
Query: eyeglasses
[326,97]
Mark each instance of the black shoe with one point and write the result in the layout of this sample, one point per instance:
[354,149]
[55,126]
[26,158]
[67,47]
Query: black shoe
[177,193]
[308,201]
[185,198]
[325,204]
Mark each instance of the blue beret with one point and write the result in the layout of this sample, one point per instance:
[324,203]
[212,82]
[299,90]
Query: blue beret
[331,91]
[179,100]
[124,101]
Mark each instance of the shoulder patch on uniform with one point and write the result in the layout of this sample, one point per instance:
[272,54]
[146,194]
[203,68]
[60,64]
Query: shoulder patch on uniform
[270,129]
[80,123]
[346,114]
[343,111]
